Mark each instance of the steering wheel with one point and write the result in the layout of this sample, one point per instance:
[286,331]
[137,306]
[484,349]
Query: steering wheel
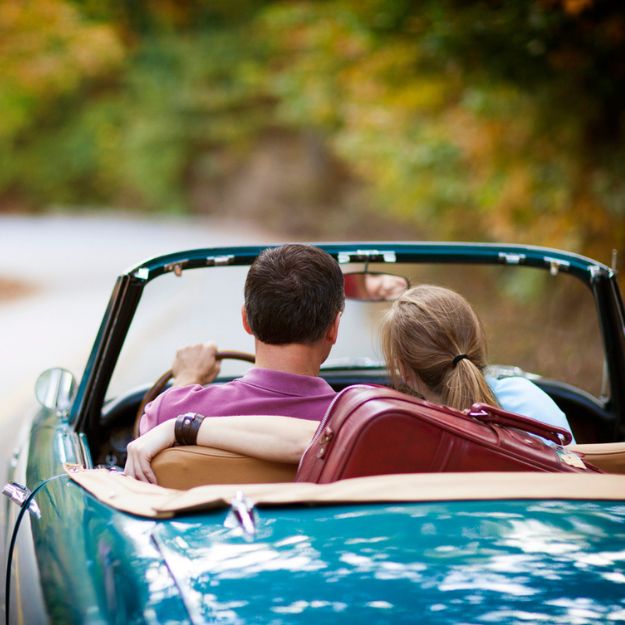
[158,386]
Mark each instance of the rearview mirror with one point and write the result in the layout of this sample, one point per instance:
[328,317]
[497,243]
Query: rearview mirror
[369,286]
[55,389]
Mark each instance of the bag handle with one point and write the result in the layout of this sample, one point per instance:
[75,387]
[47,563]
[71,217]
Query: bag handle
[491,414]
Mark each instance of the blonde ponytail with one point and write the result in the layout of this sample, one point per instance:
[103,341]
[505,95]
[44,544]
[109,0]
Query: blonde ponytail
[465,385]
[433,340]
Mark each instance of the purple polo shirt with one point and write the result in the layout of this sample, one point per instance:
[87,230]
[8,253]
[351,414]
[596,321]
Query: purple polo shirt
[258,392]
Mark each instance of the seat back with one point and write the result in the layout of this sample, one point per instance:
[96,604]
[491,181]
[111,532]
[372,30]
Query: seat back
[185,467]
[610,457]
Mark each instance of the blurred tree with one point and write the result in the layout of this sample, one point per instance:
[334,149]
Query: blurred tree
[49,53]
[501,120]
[134,91]
[482,120]
[185,99]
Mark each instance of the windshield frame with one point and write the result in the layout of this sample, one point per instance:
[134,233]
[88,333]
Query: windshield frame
[600,278]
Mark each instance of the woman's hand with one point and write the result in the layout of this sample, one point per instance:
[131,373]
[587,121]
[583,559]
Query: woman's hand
[143,449]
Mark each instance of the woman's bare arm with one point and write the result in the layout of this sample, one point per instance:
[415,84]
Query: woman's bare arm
[281,439]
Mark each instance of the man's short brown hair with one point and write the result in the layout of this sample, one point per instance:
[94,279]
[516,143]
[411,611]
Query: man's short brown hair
[292,294]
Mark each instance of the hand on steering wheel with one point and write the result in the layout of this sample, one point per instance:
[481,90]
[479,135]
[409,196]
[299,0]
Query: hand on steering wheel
[158,386]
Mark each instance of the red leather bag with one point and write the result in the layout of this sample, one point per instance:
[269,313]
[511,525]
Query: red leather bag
[375,430]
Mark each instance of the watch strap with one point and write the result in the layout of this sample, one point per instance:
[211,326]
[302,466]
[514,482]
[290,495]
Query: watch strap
[187,428]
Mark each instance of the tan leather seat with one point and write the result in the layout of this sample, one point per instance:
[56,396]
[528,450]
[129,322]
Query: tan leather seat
[610,457]
[188,466]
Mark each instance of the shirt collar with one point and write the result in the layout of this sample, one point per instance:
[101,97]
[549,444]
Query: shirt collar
[286,383]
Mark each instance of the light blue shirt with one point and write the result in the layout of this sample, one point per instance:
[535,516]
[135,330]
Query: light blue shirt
[520,395]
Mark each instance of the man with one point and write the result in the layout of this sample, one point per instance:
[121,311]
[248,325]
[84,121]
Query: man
[293,303]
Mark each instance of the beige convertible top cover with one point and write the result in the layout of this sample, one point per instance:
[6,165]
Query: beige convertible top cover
[148,500]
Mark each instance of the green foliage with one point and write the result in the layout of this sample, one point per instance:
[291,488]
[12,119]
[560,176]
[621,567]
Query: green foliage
[481,120]
[184,97]
[69,163]
[49,54]
[132,138]
[487,120]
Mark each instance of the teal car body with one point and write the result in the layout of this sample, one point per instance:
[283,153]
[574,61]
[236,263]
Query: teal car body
[72,558]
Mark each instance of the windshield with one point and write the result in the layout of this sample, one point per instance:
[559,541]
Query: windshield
[541,323]
[203,305]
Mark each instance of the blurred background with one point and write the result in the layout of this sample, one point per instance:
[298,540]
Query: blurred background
[130,128]
[435,119]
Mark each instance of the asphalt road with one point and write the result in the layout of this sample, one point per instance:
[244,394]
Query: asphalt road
[72,262]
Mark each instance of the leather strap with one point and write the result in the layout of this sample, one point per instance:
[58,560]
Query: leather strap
[187,427]
[491,414]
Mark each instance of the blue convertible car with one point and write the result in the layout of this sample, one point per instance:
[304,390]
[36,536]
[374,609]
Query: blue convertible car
[238,541]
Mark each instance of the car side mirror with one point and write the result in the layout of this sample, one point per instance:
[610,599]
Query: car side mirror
[369,286]
[55,389]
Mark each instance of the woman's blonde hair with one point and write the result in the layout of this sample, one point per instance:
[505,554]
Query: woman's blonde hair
[431,336]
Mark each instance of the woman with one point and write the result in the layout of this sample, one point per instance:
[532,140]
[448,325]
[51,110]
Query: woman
[435,347]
